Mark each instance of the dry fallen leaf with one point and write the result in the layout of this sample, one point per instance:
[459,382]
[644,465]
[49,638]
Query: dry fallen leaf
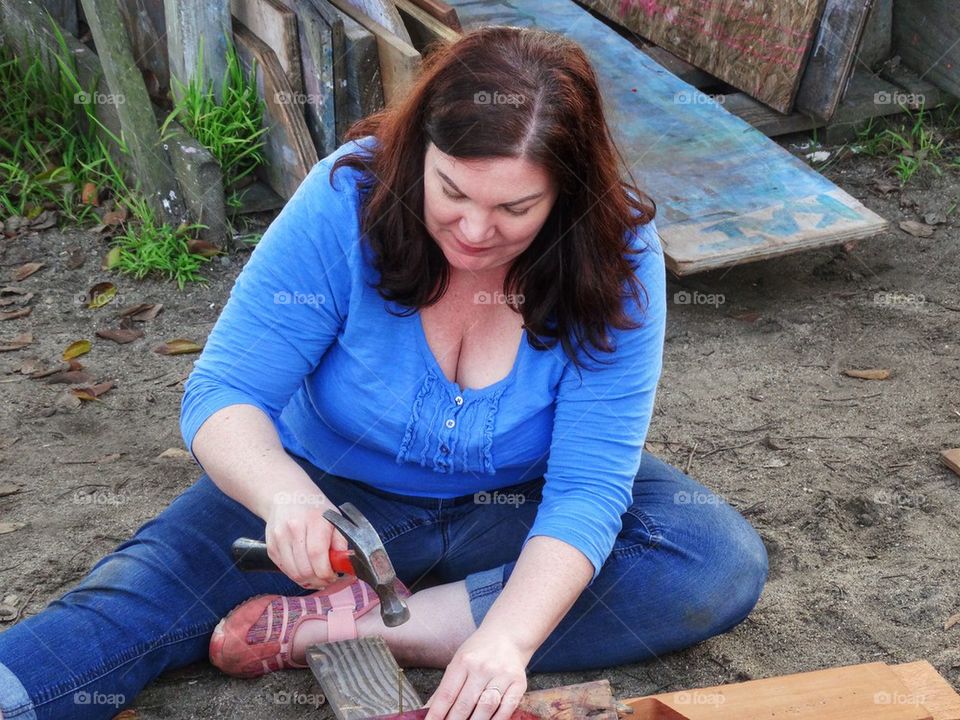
[43,221]
[128,714]
[917,229]
[111,259]
[76,349]
[178,347]
[88,195]
[20,341]
[41,372]
[9,527]
[114,217]
[951,621]
[11,295]
[92,392]
[14,314]
[26,270]
[202,247]
[868,374]
[121,336]
[9,488]
[141,311]
[100,294]
[76,259]
[71,377]
[174,454]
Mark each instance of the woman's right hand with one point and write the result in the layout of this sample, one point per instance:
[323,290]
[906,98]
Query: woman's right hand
[299,538]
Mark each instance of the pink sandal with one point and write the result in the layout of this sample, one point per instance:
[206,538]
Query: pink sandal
[256,637]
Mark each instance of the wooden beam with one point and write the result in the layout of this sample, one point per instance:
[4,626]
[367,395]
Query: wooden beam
[289,151]
[384,13]
[442,11]
[151,164]
[951,458]
[399,61]
[360,678]
[768,121]
[924,682]
[364,88]
[276,25]
[424,28]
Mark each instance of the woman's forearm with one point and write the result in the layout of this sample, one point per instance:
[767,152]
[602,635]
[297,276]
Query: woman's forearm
[240,450]
[547,580]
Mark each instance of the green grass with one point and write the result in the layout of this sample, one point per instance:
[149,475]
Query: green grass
[916,147]
[230,129]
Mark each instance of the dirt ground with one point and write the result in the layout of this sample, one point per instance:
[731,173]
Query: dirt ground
[840,476]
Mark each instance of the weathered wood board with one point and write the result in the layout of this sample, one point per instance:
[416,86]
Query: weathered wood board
[857,692]
[726,194]
[442,12]
[951,458]
[832,57]
[276,25]
[192,27]
[382,12]
[759,47]
[288,148]
[925,36]
[423,27]
[362,84]
[146,24]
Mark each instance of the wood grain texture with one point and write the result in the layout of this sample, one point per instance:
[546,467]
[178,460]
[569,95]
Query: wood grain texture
[364,89]
[759,47]
[442,11]
[832,58]
[926,684]
[399,61]
[424,28]
[857,692]
[145,23]
[951,458]
[288,148]
[726,194]
[925,36]
[276,25]
[190,27]
[382,12]
[359,678]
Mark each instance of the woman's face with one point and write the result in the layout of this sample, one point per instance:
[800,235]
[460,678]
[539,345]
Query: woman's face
[484,213]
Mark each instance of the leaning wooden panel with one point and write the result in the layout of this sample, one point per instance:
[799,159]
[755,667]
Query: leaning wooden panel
[364,89]
[925,36]
[930,688]
[399,61]
[726,194]
[856,692]
[288,148]
[759,47]
[276,25]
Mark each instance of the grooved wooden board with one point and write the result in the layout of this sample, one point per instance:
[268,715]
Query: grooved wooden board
[273,23]
[726,193]
[925,36]
[759,47]
[856,692]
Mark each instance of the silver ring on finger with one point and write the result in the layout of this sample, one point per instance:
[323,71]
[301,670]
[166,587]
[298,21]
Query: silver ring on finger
[494,687]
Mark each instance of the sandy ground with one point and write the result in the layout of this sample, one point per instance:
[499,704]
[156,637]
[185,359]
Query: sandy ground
[840,476]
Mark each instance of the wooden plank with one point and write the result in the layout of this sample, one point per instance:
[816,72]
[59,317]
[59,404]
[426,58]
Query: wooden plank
[832,58]
[951,458]
[151,165]
[190,26]
[768,121]
[317,52]
[856,692]
[726,194]
[876,43]
[288,148]
[145,23]
[276,25]
[919,93]
[423,27]
[925,36]
[362,80]
[361,679]
[653,709]
[384,13]
[399,61]
[758,47]
[691,75]
[926,684]
[65,13]
[442,12]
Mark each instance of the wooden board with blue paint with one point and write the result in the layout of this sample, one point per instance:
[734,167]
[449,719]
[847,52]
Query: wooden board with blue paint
[726,194]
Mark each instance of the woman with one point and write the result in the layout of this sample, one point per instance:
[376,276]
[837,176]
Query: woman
[456,324]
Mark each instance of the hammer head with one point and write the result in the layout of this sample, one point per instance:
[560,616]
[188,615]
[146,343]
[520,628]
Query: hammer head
[370,561]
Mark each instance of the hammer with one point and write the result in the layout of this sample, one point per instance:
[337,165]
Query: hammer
[366,559]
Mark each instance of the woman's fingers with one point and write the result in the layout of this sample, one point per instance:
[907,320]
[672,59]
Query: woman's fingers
[318,552]
[447,693]
[512,695]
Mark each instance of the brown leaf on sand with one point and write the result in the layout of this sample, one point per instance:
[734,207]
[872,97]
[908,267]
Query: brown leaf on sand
[9,488]
[141,312]
[121,336]
[951,621]
[114,217]
[26,270]
[14,295]
[917,229]
[92,392]
[868,374]
[128,714]
[101,294]
[42,372]
[9,527]
[202,247]
[14,314]
[89,194]
[71,377]
[179,346]
[17,343]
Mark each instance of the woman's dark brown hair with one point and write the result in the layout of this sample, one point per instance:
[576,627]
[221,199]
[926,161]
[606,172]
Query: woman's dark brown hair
[509,92]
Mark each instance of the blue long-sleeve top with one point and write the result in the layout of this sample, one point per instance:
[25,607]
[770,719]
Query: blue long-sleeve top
[305,337]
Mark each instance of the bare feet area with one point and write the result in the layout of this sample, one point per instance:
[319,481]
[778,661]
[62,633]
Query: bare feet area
[840,475]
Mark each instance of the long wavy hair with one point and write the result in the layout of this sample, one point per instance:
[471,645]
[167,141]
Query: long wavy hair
[519,93]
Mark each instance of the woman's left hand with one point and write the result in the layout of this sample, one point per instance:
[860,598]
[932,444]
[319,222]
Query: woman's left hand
[485,680]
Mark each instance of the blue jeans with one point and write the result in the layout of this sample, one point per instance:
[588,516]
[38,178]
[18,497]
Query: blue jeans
[686,566]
